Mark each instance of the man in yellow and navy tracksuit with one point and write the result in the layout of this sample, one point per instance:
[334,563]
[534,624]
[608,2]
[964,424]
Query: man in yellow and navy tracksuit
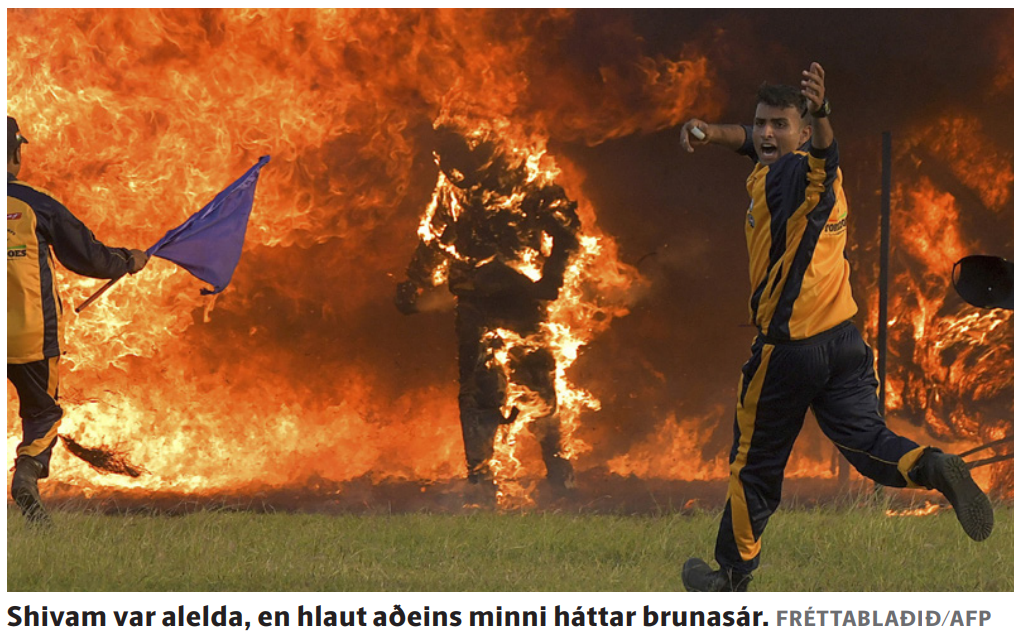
[36,224]
[808,353]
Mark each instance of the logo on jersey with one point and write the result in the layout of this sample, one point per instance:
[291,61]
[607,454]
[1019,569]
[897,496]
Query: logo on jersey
[13,216]
[750,217]
[836,223]
[15,252]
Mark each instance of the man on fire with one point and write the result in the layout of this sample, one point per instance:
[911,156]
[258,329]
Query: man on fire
[501,243]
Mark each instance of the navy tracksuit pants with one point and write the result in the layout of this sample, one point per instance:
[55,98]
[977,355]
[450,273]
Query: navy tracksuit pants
[832,373]
[38,387]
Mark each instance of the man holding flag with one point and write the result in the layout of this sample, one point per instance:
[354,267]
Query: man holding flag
[39,227]
[208,244]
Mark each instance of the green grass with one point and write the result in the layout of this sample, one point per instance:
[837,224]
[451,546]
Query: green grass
[851,548]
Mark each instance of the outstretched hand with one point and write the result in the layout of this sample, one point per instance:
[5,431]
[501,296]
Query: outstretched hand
[689,139]
[813,86]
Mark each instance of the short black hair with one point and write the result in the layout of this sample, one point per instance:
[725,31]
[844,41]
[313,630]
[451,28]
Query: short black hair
[14,137]
[782,96]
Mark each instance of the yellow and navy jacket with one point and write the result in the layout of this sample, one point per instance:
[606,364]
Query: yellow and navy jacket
[37,223]
[796,237]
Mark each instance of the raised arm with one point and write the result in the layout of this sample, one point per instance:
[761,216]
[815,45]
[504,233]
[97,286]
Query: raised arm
[813,88]
[729,136]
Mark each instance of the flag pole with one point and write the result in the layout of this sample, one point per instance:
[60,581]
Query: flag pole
[883,268]
[97,294]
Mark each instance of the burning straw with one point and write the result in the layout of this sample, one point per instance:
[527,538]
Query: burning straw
[103,459]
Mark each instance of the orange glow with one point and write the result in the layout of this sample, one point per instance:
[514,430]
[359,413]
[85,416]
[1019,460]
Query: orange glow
[950,365]
[302,375]
[929,508]
[960,144]
[138,118]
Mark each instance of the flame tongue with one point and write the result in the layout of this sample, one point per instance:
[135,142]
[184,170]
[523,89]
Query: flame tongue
[929,508]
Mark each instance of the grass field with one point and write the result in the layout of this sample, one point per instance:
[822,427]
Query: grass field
[848,548]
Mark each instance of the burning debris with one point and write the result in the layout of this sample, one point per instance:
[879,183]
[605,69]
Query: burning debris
[103,459]
[929,508]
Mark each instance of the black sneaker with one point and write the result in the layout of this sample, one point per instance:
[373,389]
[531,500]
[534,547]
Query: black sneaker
[950,476]
[25,489]
[698,577]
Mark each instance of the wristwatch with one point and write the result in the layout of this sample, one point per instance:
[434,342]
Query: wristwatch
[823,110]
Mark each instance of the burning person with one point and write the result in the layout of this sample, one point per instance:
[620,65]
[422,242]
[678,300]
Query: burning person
[39,227]
[500,237]
[807,353]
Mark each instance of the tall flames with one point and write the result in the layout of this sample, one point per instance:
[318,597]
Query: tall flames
[950,365]
[302,375]
[137,118]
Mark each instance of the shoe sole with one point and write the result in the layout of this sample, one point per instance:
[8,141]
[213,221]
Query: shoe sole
[972,507]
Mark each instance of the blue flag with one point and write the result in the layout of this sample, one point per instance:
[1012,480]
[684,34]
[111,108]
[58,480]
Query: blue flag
[209,243]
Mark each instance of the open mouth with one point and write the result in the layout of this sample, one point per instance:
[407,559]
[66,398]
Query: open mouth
[769,151]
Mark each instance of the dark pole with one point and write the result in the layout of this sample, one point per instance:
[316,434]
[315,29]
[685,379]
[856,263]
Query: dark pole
[883,269]
[98,293]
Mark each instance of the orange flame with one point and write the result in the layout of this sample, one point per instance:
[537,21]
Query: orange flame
[301,374]
[137,118]
[949,365]
[929,508]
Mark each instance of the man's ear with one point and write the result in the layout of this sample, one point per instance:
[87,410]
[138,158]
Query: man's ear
[805,135]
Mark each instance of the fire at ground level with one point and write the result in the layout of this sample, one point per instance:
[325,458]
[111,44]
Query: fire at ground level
[598,492]
[816,476]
